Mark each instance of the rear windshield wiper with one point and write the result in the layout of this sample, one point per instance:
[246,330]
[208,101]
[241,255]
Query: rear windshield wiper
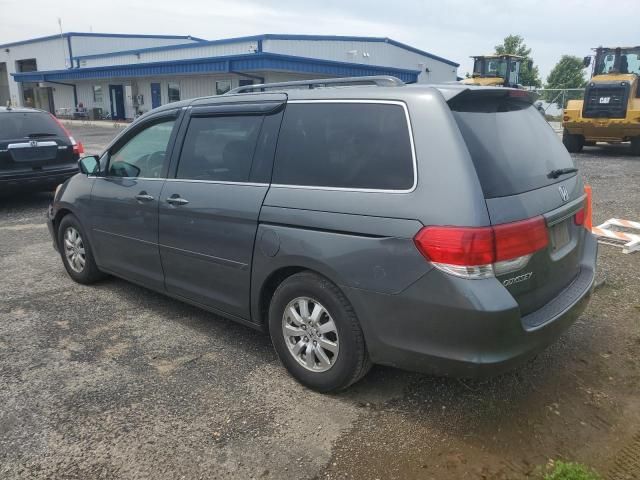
[561,171]
[44,134]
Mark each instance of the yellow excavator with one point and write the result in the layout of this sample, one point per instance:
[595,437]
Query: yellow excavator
[610,111]
[496,70]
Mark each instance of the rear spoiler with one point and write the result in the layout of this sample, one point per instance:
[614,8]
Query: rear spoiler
[471,96]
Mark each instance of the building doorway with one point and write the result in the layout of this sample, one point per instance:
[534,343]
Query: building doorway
[156,95]
[116,97]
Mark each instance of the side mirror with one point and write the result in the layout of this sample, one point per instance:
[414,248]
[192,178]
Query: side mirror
[89,164]
[586,61]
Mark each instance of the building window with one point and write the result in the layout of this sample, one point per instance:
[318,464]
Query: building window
[244,82]
[174,92]
[223,86]
[97,93]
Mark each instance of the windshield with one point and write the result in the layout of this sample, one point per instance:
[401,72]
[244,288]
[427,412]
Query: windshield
[490,67]
[618,60]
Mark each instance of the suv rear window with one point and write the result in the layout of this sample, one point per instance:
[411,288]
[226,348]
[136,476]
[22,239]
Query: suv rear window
[512,147]
[19,125]
[345,145]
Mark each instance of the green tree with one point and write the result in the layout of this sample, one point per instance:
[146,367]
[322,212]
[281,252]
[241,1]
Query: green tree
[568,73]
[514,45]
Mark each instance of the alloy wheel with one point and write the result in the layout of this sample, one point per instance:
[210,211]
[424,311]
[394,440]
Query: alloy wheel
[310,334]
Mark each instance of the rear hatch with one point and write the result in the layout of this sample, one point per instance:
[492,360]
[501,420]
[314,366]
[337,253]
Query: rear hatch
[525,172]
[34,141]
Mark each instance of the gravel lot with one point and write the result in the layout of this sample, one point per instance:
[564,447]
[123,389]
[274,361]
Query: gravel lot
[115,381]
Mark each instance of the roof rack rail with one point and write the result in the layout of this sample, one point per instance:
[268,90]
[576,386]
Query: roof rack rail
[377,80]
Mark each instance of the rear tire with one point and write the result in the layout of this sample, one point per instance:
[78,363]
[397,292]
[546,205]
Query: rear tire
[76,253]
[316,333]
[635,145]
[573,142]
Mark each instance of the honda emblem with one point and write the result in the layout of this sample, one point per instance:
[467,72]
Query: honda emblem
[563,193]
[33,143]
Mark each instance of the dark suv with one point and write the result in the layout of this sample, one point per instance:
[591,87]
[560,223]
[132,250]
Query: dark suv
[432,228]
[36,151]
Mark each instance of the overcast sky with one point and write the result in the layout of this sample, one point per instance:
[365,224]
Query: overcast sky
[454,29]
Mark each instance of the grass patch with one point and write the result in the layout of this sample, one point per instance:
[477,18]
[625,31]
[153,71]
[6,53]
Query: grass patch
[570,471]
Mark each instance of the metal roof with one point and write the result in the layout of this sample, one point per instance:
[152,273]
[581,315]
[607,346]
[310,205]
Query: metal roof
[92,34]
[261,61]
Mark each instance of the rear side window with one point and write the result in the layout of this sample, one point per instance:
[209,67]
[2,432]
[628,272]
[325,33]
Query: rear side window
[219,148]
[20,125]
[345,145]
[511,145]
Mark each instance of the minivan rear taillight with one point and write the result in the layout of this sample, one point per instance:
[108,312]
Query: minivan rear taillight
[480,252]
[78,148]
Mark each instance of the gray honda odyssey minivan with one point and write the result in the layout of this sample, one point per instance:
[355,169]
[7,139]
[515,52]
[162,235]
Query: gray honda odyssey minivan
[436,228]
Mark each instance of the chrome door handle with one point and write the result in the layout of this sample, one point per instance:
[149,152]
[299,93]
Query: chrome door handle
[176,200]
[144,197]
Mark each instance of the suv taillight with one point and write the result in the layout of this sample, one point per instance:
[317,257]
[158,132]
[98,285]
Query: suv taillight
[481,252]
[78,148]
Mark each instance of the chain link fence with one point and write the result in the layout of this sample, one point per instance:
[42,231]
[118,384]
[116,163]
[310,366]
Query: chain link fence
[551,102]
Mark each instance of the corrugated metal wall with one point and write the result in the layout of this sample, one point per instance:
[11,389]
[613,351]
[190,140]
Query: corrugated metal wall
[90,45]
[173,54]
[49,55]
[368,53]
[190,87]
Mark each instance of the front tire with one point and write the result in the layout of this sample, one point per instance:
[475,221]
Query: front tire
[635,145]
[573,142]
[316,333]
[76,253]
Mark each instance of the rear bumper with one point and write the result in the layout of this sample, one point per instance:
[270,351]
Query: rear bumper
[446,325]
[42,180]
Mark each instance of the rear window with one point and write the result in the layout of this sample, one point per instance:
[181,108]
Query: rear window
[512,147]
[345,145]
[19,125]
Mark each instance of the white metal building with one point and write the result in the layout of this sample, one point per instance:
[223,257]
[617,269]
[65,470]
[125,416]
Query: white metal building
[130,74]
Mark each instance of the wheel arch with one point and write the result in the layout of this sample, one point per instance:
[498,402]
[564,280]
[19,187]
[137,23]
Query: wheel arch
[271,282]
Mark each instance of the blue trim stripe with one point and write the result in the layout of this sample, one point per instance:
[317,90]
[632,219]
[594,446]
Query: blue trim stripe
[238,63]
[70,56]
[271,36]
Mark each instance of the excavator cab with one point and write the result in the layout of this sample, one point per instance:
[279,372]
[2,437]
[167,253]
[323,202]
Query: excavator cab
[496,70]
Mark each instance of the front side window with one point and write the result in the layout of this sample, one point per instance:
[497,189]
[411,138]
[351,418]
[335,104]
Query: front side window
[174,92]
[223,86]
[345,145]
[97,93]
[219,148]
[144,154]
